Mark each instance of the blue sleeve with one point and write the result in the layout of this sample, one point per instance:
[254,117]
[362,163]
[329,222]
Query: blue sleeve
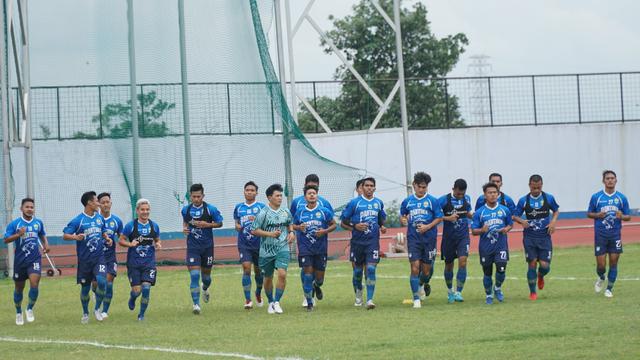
[104,226]
[382,215]
[328,213]
[479,202]
[41,232]
[475,224]
[157,229]
[72,226]
[11,229]
[469,208]
[593,204]
[553,204]
[183,212]
[510,204]
[235,213]
[403,207]
[437,209]
[327,204]
[296,218]
[119,228]
[348,211]
[509,220]
[215,214]
[520,206]
[294,205]
[128,229]
[625,206]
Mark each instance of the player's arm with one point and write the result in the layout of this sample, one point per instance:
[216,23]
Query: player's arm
[592,213]
[477,228]
[332,226]
[157,243]
[291,236]
[124,241]
[552,223]
[625,213]
[45,243]
[508,224]
[345,224]
[238,226]
[10,236]
[517,215]
[69,232]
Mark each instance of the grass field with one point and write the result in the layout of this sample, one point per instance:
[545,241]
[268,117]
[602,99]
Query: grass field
[568,321]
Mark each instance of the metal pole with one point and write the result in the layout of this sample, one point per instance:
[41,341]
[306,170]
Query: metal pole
[26,98]
[292,72]
[185,96]
[403,95]
[134,104]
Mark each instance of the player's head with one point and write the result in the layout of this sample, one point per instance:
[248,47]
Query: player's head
[496,179]
[421,181]
[368,187]
[312,179]
[196,193]
[143,209]
[28,207]
[459,188]
[250,191]
[491,192]
[274,194]
[610,179]
[359,186]
[104,199]
[535,185]
[90,201]
[311,194]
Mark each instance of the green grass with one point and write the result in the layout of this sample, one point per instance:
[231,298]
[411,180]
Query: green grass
[568,321]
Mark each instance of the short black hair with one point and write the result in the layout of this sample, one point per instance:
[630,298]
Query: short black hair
[312,178]
[489,185]
[273,188]
[196,187]
[26,200]
[86,197]
[495,174]
[359,183]
[421,177]
[370,178]
[310,187]
[460,184]
[251,183]
[535,178]
[607,172]
[103,194]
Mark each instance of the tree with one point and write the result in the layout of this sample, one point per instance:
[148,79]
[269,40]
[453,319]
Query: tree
[115,119]
[368,43]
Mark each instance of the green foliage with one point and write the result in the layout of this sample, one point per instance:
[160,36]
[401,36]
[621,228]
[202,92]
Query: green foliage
[393,214]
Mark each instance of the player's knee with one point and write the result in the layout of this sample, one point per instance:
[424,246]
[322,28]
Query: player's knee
[501,267]
[371,270]
[487,270]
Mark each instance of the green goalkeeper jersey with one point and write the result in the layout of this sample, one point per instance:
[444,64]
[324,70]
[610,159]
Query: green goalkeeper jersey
[272,220]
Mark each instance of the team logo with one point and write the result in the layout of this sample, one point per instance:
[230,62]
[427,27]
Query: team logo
[615,201]
[112,224]
[318,215]
[255,210]
[99,222]
[375,206]
[499,212]
[36,226]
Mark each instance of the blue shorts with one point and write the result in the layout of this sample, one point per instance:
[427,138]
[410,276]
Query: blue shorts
[607,245]
[361,254]
[537,248]
[90,270]
[424,250]
[495,257]
[200,257]
[318,262]
[139,274]
[22,271]
[249,255]
[112,268]
[452,248]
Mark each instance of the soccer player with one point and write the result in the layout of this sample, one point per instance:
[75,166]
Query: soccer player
[273,226]
[113,224]
[248,245]
[608,208]
[359,187]
[421,213]
[88,230]
[312,224]
[540,211]
[365,216]
[142,238]
[199,220]
[503,199]
[456,207]
[492,222]
[26,231]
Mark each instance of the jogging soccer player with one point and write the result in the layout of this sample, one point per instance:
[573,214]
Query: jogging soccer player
[89,232]
[27,232]
[421,213]
[456,207]
[608,208]
[359,187]
[540,211]
[142,238]
[248,245]
[113,224]
[492,222]
[312,224]
[365,216]
[198,221]
[503,199]
[273,226]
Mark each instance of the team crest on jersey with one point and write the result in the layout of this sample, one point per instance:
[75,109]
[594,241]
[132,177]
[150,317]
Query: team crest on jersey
[112,224]
[35,227]
[318,215]
[375,206]
[255,210]
[99,222]
[615,201]
[499,212]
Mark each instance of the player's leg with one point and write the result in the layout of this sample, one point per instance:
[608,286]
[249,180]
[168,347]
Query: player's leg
[501,274]
[461,277]
[415,283]
[600,247]
[84,277]
[135,280]
[112,272]
[193,266]
[358,260]
[532,276]
[281,264]
[267,265]
[613,273]
[544,261]
[148,280]
[18,292]
[372,259]
[319,266]
[207,265]
[246,284]
[487,279]
[307,271]
[34,283]
[258,278]
[100,276]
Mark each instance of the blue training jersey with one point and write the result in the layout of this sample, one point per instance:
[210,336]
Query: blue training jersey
[460,228]
[314,219]
[200,238]
[27,249]
[610,226]
[113,224]
[369,211]
[421,211]
[496,218]
[145,253]
[537,213]
[503,199]
[300,202]
[244,214]
[92,247]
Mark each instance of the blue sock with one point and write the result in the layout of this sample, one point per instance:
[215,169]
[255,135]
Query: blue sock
[17,300]
[259,281]
[448,279]
[318,281]
[108,295]
[84,297]
[543,271]
[600,272]
[424,279]
[133,296]
[144,301]
[279,293]
[33,297]
[195,286]
[269,293]
[206,281]
[500,276]
[613,274]
[101,289]
[487,282]
[433,265]
[246,286]
[357,279]
[461,277]
[307,287]
[414,281]
[532,277]
[371,281]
